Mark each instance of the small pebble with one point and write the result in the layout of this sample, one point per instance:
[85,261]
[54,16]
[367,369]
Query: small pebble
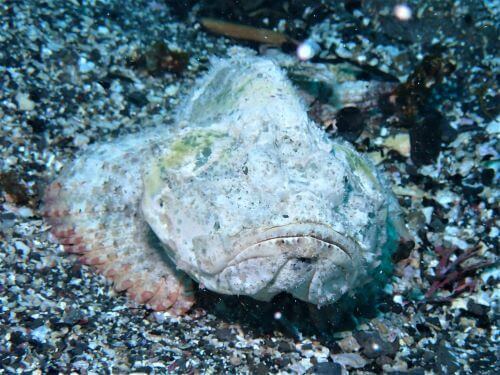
[24,103]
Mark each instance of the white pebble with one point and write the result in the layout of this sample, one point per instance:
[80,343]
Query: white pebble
[80,140]
[103,30]
[398,298]
[22,247]
[353,360]
[85,66]
[493,127]
[446,197]
[427,211]
[171,90]
[24,103]
[46,52]
[25,212]
[40,334]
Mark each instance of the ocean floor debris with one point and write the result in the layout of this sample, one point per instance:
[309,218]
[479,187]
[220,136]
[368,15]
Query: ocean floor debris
[455,275]
[59,317]
[159,58]
[244,32]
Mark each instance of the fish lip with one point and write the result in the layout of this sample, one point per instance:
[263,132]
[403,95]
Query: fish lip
[323,233]
[316,243]
[328,241]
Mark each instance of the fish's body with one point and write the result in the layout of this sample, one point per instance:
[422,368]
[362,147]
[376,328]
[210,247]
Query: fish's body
[247,196]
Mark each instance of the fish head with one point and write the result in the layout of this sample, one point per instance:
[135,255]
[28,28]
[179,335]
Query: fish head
[253,199]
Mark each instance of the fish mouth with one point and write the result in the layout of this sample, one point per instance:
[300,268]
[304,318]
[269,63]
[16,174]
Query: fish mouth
[312,261]
[323,235]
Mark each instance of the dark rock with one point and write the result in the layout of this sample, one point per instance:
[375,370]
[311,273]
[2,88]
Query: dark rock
[260,369]
[374,346]
[424,329]
[95,55]
[138,98]
[436,224]
[403,251]
[36,94]
[285,347]
[448,134]
[10,182]
[390,306]
[107,80]
[269,343]
[425,138]
[17,338]
[282,362]
[386,105]
[478,312]
[350,123]
[20,351]
[427,356]
[158,59]
[352,5]
[224,334]
[35,323]
[143,370]
[73,316]
[51,370]
[182,364]
[456,179]
[477,309]
[472,190]
[326,368]
[383,360]
[487,176]
[79,348]
[413,371]
[37,124]
[434,320]
[306,346]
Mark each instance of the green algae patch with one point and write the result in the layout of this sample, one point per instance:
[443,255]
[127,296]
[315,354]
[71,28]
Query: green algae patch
[195,147]
[197,144]
[225,90]
[360,165]
[229,91]
[152,181]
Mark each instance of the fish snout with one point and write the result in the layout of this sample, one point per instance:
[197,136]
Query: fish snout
[311,261]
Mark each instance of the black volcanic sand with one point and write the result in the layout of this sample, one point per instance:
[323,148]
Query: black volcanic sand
[73,75]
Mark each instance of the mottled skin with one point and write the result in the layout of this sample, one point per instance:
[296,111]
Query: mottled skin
[247,196]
